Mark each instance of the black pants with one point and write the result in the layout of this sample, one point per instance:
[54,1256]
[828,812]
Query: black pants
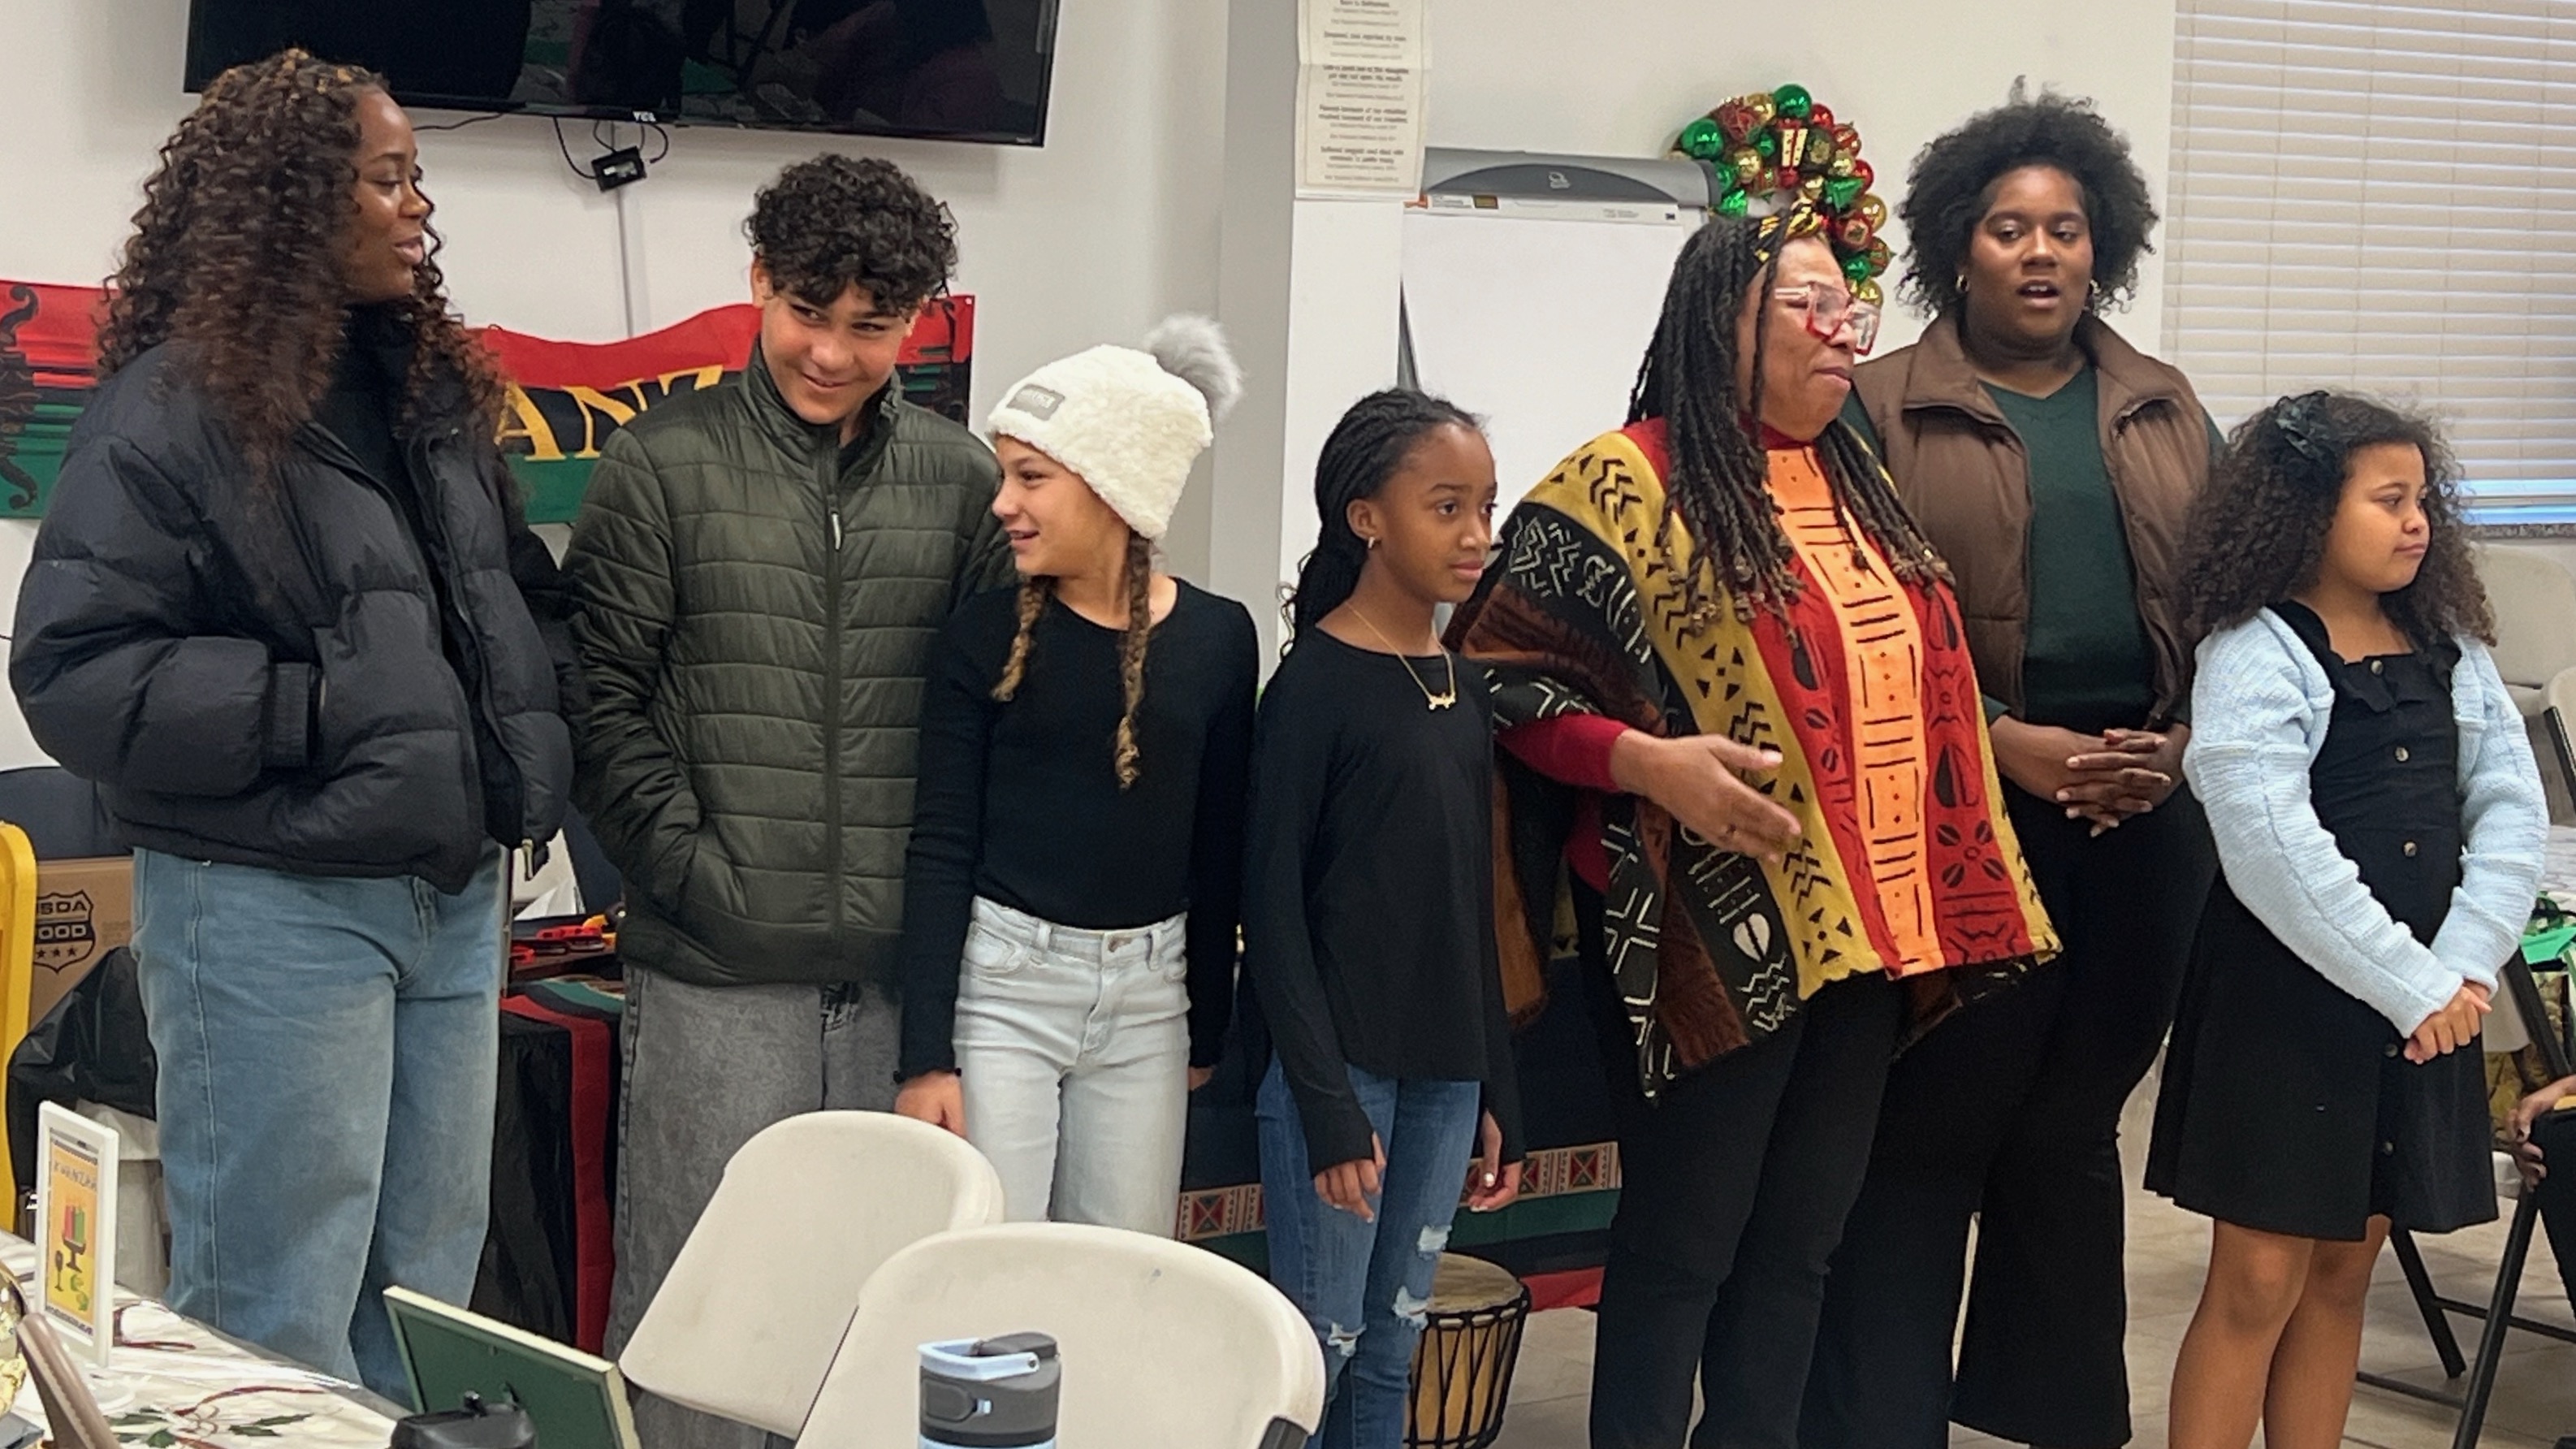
[2009,1113]
[1733,1190]
[2555,1134]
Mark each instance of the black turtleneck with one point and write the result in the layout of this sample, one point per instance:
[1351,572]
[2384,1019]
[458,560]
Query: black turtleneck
[363,411]
[365,401]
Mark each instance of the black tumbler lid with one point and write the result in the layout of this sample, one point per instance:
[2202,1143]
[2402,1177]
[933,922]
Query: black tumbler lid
[994,1393]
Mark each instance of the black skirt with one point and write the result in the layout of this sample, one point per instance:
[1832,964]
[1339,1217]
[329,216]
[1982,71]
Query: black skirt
[2287,1105]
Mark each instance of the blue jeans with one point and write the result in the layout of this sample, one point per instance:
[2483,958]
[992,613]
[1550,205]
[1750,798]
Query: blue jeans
[1363,1285]
[328,1052]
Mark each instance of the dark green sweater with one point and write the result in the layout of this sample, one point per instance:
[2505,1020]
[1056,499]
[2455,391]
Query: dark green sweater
[2086,663]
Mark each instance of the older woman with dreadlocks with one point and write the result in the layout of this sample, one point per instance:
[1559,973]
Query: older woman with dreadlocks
[285,613]
[1739,697]
[2054,466]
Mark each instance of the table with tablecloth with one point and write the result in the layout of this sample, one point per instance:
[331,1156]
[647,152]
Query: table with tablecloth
[172,1382]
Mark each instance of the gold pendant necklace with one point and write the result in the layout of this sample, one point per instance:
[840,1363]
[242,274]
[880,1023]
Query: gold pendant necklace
[1433,701]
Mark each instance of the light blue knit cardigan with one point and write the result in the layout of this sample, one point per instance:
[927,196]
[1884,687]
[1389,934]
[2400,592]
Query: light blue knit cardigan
[2260,705]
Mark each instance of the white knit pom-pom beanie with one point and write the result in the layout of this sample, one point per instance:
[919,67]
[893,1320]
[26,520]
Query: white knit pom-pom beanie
[1129,422]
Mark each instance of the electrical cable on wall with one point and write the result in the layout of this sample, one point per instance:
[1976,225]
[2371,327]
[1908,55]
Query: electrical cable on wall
[473,120]
[615,165]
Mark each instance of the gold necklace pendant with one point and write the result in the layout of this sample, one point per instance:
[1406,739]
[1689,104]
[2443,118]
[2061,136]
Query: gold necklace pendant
[1430,701]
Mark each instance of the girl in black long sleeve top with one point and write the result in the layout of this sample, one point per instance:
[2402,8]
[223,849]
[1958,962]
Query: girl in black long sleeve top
[1368,904]
[1072,892]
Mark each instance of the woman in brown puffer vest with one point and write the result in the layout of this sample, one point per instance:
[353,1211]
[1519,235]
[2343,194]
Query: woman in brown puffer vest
[2053,466]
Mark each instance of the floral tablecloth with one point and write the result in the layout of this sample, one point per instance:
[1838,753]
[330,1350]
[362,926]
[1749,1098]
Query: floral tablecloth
[174,1384]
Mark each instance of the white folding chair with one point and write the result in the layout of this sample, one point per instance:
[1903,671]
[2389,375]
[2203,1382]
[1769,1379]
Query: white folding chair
[1164,1346]
[2535,609]
[746,1324]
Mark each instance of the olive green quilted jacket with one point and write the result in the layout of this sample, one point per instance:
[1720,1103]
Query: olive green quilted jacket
[757,605]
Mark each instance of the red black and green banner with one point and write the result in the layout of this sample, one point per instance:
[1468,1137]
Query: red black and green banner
[565,397]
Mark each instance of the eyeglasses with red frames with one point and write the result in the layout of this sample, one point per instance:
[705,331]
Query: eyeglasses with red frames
[1828,308]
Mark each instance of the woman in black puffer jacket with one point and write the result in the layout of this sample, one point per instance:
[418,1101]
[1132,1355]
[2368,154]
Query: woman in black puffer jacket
[285,612]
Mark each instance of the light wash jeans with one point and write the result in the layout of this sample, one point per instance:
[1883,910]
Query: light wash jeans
[706,1068]
[328,1050]
[1073,1050]
[1364,1285]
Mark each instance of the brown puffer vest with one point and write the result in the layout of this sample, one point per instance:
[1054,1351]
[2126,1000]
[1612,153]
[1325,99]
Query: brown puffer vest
[1960,468]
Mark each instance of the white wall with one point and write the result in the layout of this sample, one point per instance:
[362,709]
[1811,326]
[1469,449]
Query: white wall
[1090,238]
[1619,77]
[1115,221]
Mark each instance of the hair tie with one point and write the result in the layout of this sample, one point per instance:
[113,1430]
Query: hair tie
[2299,423]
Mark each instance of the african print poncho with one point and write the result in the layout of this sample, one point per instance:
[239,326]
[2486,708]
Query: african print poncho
[1907,863]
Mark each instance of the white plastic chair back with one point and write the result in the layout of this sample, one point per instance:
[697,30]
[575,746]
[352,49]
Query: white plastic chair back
[1164,1346]
[746,1324]
[2503,1030]
[2535,607]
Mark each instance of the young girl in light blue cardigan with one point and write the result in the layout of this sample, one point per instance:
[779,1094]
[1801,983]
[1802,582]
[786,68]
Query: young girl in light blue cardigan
[2380,825]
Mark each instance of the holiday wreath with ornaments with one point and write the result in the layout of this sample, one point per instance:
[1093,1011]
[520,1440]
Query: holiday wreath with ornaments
[1773,148]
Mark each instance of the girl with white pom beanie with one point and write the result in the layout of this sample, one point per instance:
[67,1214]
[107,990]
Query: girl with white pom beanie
[1075,875]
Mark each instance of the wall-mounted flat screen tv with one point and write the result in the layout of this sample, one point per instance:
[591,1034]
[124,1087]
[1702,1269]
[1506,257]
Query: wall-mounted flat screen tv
[968,70]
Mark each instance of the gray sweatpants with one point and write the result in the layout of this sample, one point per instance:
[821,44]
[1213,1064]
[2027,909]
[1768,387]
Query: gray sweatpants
[707,1067]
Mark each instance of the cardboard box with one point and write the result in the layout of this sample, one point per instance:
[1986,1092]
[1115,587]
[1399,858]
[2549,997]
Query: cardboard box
[84,909]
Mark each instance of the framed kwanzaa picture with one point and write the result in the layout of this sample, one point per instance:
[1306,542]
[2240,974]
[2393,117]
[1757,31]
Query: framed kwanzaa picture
[76,1229]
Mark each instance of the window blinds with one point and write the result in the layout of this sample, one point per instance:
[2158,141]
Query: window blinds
[2383,196]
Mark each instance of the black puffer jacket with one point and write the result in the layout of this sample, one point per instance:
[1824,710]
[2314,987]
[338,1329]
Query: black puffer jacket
[257,676]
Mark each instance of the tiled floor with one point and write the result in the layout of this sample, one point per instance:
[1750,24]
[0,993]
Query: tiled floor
[2535,1399]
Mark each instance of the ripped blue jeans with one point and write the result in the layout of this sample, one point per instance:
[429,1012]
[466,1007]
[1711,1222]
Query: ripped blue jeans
[1364,1285]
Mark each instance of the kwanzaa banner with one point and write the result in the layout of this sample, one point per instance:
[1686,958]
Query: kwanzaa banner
[565,397]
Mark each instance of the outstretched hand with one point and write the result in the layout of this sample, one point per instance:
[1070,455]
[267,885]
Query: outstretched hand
[1699,781]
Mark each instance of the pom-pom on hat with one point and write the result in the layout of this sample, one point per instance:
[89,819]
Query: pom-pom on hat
[1130,423]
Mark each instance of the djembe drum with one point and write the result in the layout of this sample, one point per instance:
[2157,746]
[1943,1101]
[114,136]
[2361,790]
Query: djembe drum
[1462,1368]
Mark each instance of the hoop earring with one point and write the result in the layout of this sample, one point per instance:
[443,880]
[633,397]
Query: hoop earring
[1372,544]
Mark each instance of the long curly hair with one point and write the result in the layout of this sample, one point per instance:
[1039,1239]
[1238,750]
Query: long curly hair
[1719,486]
[2259,532]
[1953,183]
[238,256]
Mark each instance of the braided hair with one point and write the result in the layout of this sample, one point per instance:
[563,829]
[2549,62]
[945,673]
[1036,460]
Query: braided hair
[1719,486]
[1194,350]
[1034,593]
[1366,448]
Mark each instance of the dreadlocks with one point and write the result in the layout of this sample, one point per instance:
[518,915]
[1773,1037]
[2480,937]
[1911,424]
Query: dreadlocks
[1719,473]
